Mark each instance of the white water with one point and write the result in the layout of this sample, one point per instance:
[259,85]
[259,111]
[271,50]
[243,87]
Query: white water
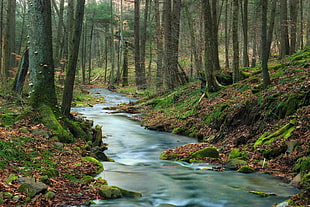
[137,167]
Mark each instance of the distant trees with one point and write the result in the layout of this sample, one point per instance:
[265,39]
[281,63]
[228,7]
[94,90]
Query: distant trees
[160,44]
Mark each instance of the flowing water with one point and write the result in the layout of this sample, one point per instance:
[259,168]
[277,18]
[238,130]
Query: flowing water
[137,167]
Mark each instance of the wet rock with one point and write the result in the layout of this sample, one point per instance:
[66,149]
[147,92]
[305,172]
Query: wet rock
[234,164]
[110,192]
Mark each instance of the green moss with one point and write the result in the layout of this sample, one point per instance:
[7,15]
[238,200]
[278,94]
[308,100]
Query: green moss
[50,121]
[11,178]
[305,182]
[87,179]
[210,152]
[262,194]
[92,159]
[111,192]
[236,154]
[302,165]
[284,132]
[246,169]
[50,172]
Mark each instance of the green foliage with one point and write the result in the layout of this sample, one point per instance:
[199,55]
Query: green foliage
[50,172]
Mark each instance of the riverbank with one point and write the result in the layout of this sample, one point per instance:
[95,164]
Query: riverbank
[269,128]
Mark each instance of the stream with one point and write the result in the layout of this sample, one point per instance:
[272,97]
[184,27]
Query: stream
[137,167]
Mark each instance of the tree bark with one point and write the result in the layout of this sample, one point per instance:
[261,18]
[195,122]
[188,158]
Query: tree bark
[264,45]
[235,39]
[73,56]
[284,41]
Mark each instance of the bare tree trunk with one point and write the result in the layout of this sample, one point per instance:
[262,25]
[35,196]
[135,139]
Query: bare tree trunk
[293,25]
[245,34]
[73,56]
[235,39]
[140,74]
[226,35]
[264,45]
[271,26]
[284,41]
[159,44]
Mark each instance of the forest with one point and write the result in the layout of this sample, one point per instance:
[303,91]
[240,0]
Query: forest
[231,74]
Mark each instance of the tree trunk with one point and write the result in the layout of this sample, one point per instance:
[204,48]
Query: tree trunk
[226,36]
[284,41]
[159,44]
[245,34]
[73,56]
[211,81]
[22,73]
[140,74]
[264,50]
[293,25]
[271,26]
[144,35]
[235,39]
[125,66]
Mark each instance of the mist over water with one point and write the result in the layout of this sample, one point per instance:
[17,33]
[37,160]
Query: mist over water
[137,167]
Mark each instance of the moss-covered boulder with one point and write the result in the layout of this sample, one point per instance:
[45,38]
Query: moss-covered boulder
[210,152]
[236,154]
[234,164]
[246,169]
[110,192]
[31,187]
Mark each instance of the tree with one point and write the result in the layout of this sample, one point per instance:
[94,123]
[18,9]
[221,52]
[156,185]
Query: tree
[235,41]
[210,53]
[140,73]
[41,66]
[73,55]
[245,33]
[264,50]
[284,40]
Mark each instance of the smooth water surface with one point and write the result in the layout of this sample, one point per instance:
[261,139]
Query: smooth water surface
[137,167]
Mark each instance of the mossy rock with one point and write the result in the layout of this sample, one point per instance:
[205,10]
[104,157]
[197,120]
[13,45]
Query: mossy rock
[234,164]
[92,159]
[236,154]
[51,172]
[45,179]
[274,152]
[166,156]
[246,169]
[50,195]
[210,152]
[305,182]
[31,189]
[112,192]
[262,194]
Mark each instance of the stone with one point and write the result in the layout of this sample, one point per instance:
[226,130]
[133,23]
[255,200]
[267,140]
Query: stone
[39,132]
[111,192]
[210,152]
[50,195]
[246,169]
[30,186]
[296,180]
[234,164]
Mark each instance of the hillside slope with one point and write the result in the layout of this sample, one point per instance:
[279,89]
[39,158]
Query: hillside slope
[270,126]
